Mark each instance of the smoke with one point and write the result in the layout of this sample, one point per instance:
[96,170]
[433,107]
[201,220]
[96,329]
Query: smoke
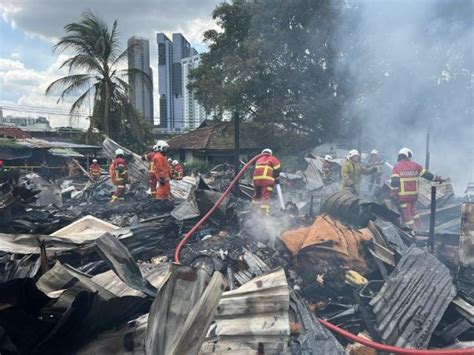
[408,69]
[266,228]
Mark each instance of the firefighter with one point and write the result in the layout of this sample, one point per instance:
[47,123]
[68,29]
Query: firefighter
[2,167]
[118,171]
[162,171]
[265,176]
[326,168]
[95,170]
[170,164]
[178,171]
[352,169]
[405,186]
[149,157]
[375,160]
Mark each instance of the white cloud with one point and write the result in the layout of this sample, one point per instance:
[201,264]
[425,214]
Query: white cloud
[46,18]
[23,88]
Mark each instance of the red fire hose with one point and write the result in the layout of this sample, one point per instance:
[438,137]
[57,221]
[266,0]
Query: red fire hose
[215,207]
[361,340]
[392,349]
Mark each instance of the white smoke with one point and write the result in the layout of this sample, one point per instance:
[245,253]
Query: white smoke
[410,68]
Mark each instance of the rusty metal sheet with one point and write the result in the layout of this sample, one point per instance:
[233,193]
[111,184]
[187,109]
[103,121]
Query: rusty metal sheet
[413,300]
[252,317]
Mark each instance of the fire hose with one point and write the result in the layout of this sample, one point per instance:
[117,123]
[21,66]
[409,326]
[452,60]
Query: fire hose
[361,340]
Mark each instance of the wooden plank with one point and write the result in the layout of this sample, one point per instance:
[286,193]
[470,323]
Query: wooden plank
[466,240]
[273,302]
[255,325]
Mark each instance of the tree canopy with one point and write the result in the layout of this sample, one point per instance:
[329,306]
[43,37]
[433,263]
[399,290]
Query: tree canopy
[273,62]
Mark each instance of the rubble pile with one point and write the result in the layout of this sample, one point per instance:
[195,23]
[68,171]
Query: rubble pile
[79,274]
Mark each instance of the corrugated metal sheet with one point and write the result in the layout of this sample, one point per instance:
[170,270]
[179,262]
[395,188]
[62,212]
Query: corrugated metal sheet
[314,335]
[137,168]
[253,317]
[444,192]
[413,300]
[466,240]
[313,173]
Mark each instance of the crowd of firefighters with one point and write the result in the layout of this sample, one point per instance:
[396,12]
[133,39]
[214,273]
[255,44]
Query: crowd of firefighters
[161,170]
[404,182]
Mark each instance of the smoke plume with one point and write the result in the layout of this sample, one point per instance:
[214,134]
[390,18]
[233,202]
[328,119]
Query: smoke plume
[408,66]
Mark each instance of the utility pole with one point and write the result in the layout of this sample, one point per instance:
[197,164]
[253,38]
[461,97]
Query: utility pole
[427,159]
[236,141]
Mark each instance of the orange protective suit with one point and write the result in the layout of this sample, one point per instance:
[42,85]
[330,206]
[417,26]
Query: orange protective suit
[162,174]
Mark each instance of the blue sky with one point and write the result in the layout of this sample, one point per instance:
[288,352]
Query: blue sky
[29,28]
[15,44]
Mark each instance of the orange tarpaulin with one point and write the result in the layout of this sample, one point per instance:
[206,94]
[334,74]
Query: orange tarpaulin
[327,247]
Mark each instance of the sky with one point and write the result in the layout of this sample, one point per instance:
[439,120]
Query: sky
[29,28]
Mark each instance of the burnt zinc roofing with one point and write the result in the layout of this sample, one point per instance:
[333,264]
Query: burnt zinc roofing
[219,136]
[413,300]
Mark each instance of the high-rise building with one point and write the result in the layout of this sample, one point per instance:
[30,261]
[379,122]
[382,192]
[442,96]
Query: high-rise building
[141,85]
[194,113]
[170,79]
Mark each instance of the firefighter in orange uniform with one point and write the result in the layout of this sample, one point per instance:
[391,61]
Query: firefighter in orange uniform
[265,176]
[95,170]
[162,171]
[405,186]
[118,171]
[149,157]
[178,171]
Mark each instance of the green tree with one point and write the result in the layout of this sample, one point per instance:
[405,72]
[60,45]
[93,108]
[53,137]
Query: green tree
[273,62]
[95,71]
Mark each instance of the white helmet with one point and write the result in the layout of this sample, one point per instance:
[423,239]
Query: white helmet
[374,151]
[119,151]
[267,151]
[354,153]
[328,158]
[161,146]
[94,160]
[175,162]
[406,152]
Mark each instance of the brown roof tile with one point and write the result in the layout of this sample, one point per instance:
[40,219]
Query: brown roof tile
[219,136]
[13,132]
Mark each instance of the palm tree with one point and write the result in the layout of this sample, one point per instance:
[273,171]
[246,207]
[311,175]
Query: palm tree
[94,71]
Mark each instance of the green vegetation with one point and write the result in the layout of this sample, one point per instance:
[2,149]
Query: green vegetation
[94,71]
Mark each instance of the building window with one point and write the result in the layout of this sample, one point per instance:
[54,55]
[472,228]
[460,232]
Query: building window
[161,54]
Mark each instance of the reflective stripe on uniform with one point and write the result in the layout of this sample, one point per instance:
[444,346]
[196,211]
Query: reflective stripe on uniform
[403,192]
[269,188]
[264,178]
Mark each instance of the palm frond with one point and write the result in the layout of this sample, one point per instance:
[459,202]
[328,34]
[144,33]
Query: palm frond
[68,83]
[82,61]
[133,73]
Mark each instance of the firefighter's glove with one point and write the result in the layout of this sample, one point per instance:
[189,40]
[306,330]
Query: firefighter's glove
[143,157]
[162,181]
